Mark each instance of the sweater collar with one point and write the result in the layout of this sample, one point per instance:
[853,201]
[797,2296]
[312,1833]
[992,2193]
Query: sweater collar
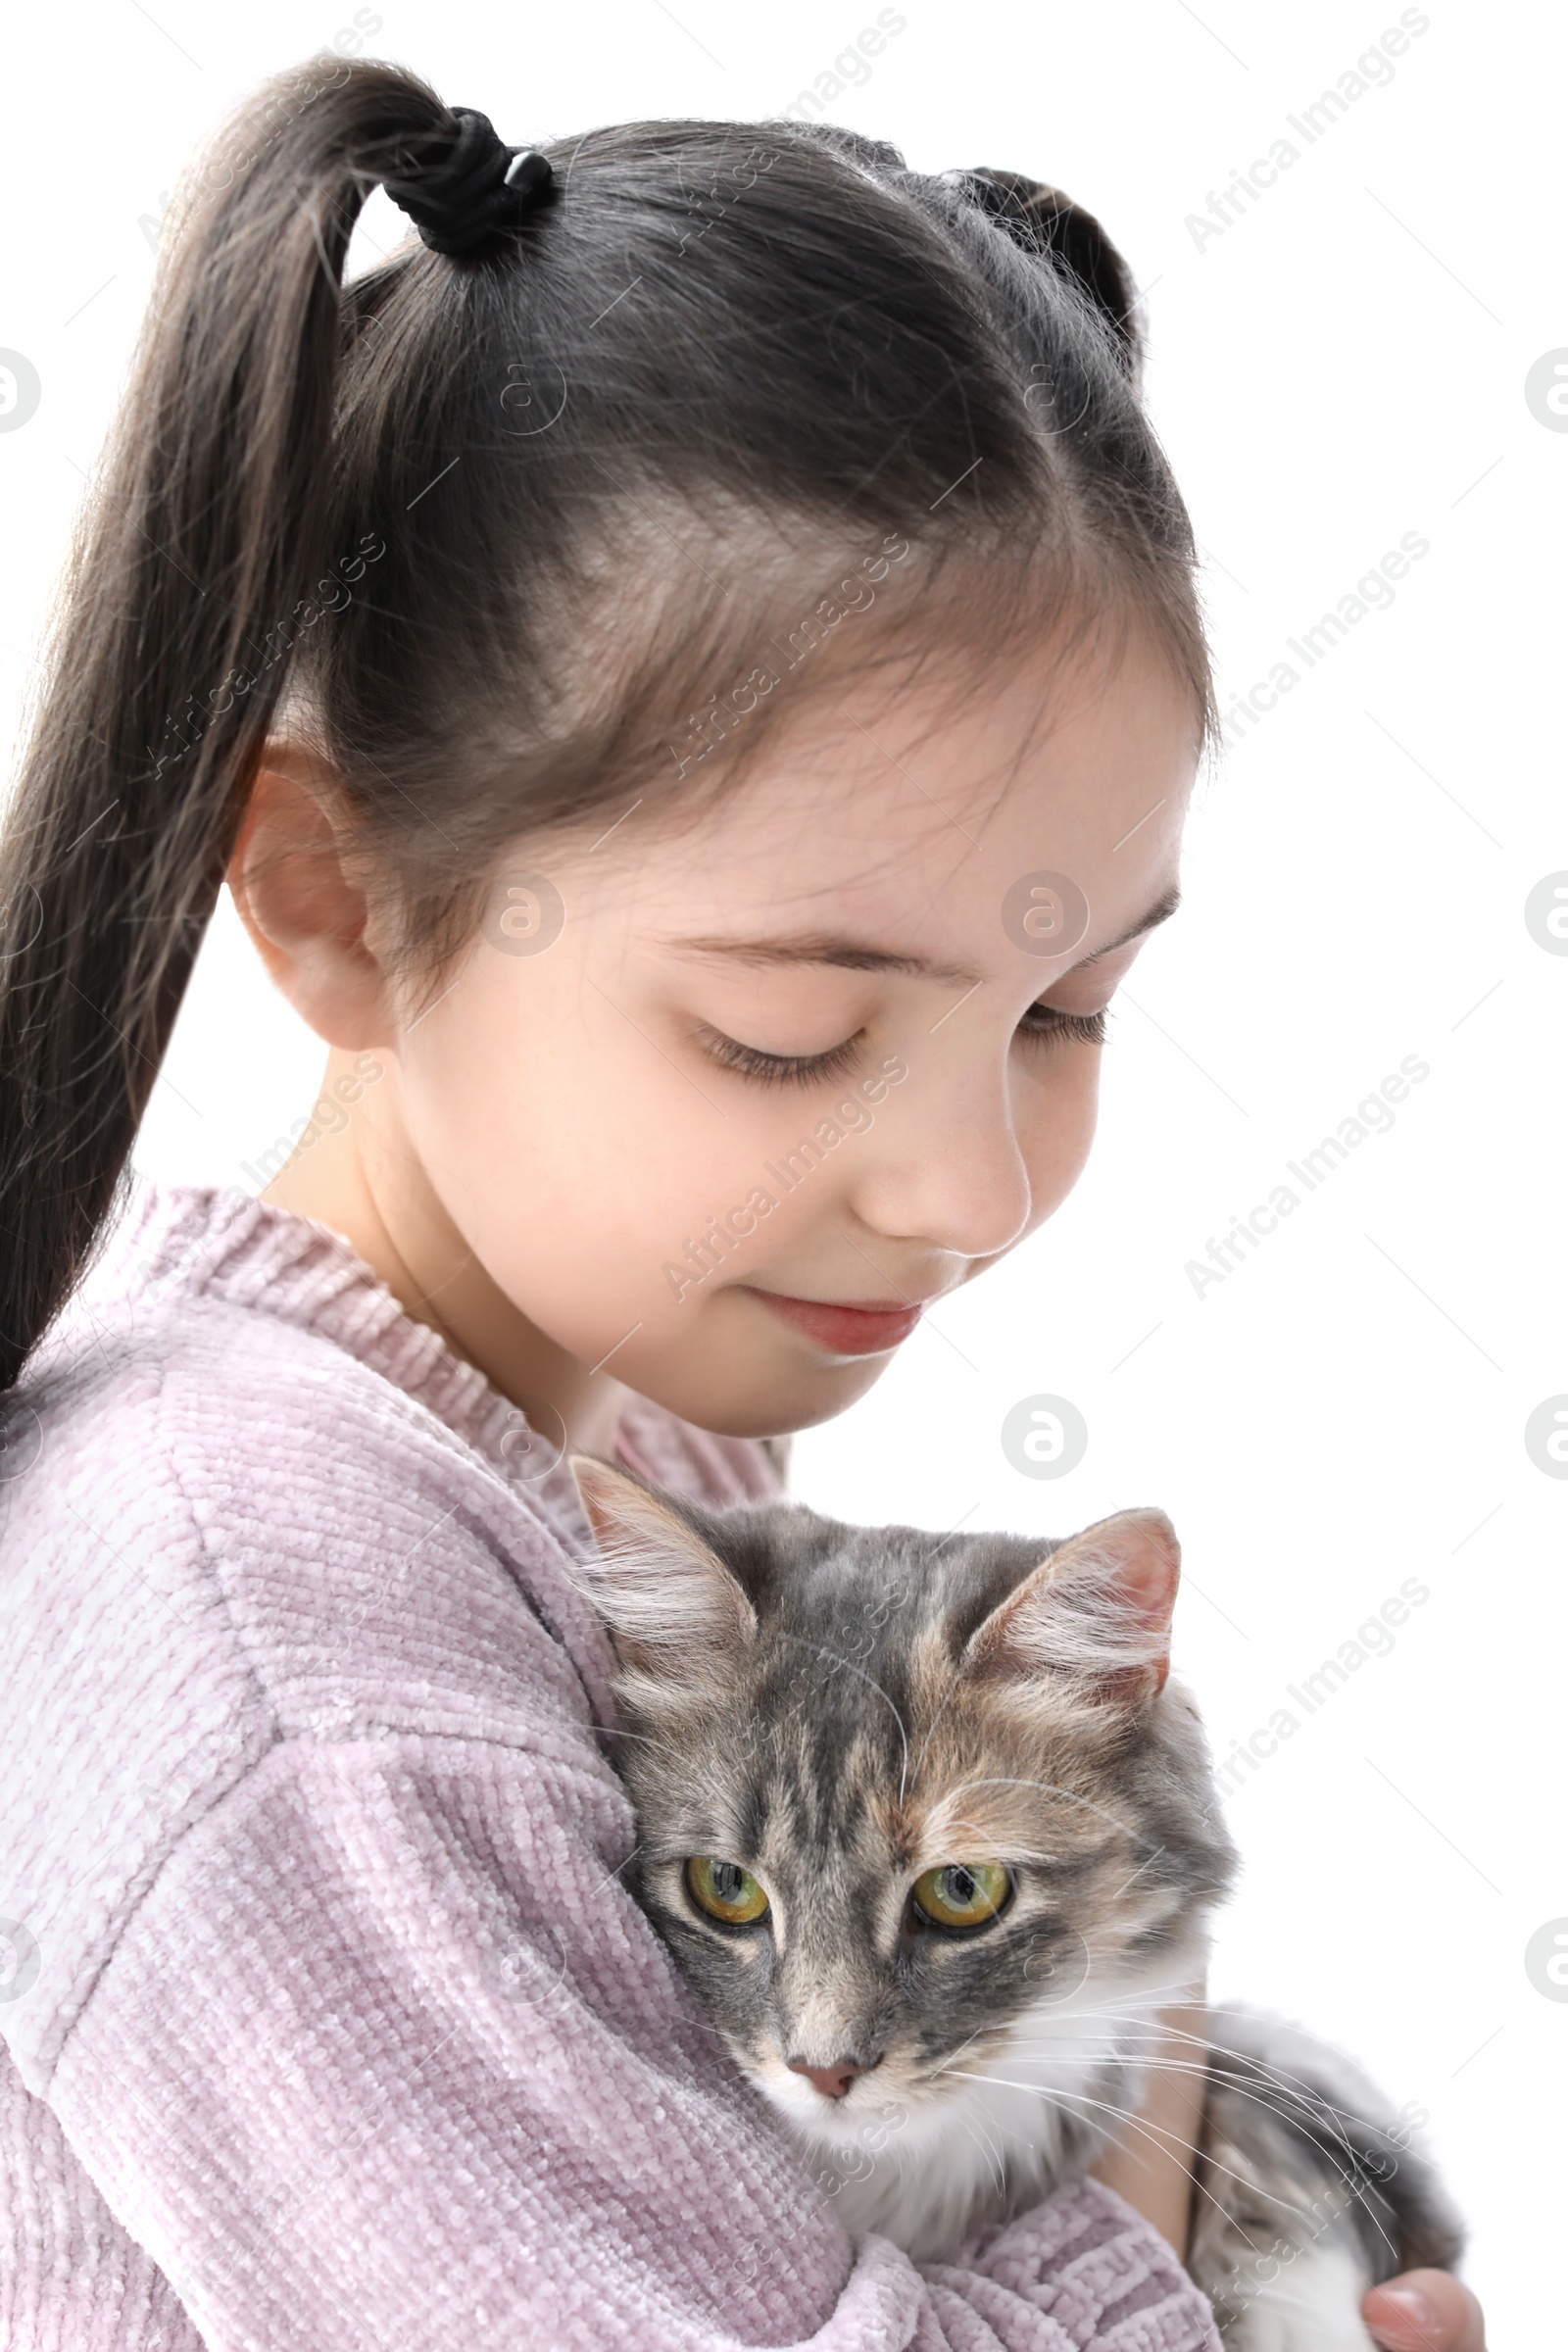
[212,1241]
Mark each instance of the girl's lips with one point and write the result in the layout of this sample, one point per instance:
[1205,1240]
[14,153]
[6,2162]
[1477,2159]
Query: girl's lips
[844,1330]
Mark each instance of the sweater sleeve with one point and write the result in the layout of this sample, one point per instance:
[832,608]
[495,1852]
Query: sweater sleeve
[387,2057]
[332,1986]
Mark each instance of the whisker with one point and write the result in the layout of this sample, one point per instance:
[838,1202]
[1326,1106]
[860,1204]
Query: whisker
[1164,2143]
[1281,2079]
[1321,2110]
[1284,2107]
[993,2160]
[1143,1865]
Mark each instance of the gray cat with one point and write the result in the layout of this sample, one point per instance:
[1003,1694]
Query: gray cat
[933,1838]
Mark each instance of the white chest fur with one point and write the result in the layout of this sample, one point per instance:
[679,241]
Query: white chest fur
[1002,2126]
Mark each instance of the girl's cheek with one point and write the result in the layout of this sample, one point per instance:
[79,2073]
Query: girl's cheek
[1057,1110]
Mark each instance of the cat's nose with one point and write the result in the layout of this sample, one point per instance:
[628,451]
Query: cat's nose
[831,2081]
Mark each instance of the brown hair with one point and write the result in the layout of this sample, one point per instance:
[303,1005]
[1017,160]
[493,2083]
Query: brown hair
[516,531]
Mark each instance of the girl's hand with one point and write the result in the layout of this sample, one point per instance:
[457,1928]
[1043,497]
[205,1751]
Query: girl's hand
[1151,2164]
[1421,2311]
[1425,2311]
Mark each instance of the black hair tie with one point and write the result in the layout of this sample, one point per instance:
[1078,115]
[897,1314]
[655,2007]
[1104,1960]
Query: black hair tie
[475,190]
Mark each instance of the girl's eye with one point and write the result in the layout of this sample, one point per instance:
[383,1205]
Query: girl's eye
[779,1069]
[963,1894]
[724,1890]
[1044,1022]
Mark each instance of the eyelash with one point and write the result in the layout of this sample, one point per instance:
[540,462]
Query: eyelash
[779,1069]
[1042,1024]
[1081,1028]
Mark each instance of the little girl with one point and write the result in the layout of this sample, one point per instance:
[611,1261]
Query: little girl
[693,675]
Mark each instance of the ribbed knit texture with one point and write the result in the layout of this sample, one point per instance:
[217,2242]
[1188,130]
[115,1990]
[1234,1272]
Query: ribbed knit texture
[341,2032]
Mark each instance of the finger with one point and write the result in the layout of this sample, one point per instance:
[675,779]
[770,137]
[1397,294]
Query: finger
[1425,2311]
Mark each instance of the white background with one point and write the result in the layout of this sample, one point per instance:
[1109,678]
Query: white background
[1344,365]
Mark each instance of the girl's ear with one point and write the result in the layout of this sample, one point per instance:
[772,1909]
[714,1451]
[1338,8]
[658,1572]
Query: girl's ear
[304,910]
[669,1603]
[1097,1611]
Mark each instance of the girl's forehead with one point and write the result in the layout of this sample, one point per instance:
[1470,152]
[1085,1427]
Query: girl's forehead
[917,819]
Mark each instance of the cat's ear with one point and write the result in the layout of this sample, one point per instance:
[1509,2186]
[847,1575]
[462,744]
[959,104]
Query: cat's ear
[1097,1611]
[667,1600]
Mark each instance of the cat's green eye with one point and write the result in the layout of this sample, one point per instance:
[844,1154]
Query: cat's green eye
[962,1895]
[724,1890]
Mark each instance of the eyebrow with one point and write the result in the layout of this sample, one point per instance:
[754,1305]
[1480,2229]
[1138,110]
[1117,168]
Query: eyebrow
[854,955]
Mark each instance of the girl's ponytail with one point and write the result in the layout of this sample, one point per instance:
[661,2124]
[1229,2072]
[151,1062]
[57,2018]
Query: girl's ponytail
[203,534]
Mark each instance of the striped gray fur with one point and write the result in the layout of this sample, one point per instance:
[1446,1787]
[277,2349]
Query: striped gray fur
[836,1710]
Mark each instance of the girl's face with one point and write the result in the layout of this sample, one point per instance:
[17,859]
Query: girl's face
[784,1078]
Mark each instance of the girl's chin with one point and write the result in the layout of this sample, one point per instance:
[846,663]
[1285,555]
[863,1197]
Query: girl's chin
[757,1397]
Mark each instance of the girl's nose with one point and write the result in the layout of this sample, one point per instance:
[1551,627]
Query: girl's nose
[950,1175]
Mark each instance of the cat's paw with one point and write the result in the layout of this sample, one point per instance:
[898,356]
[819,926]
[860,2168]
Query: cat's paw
[1308,2302]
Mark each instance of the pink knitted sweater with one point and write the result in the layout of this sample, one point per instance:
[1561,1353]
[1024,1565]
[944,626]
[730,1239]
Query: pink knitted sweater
[329,2025]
